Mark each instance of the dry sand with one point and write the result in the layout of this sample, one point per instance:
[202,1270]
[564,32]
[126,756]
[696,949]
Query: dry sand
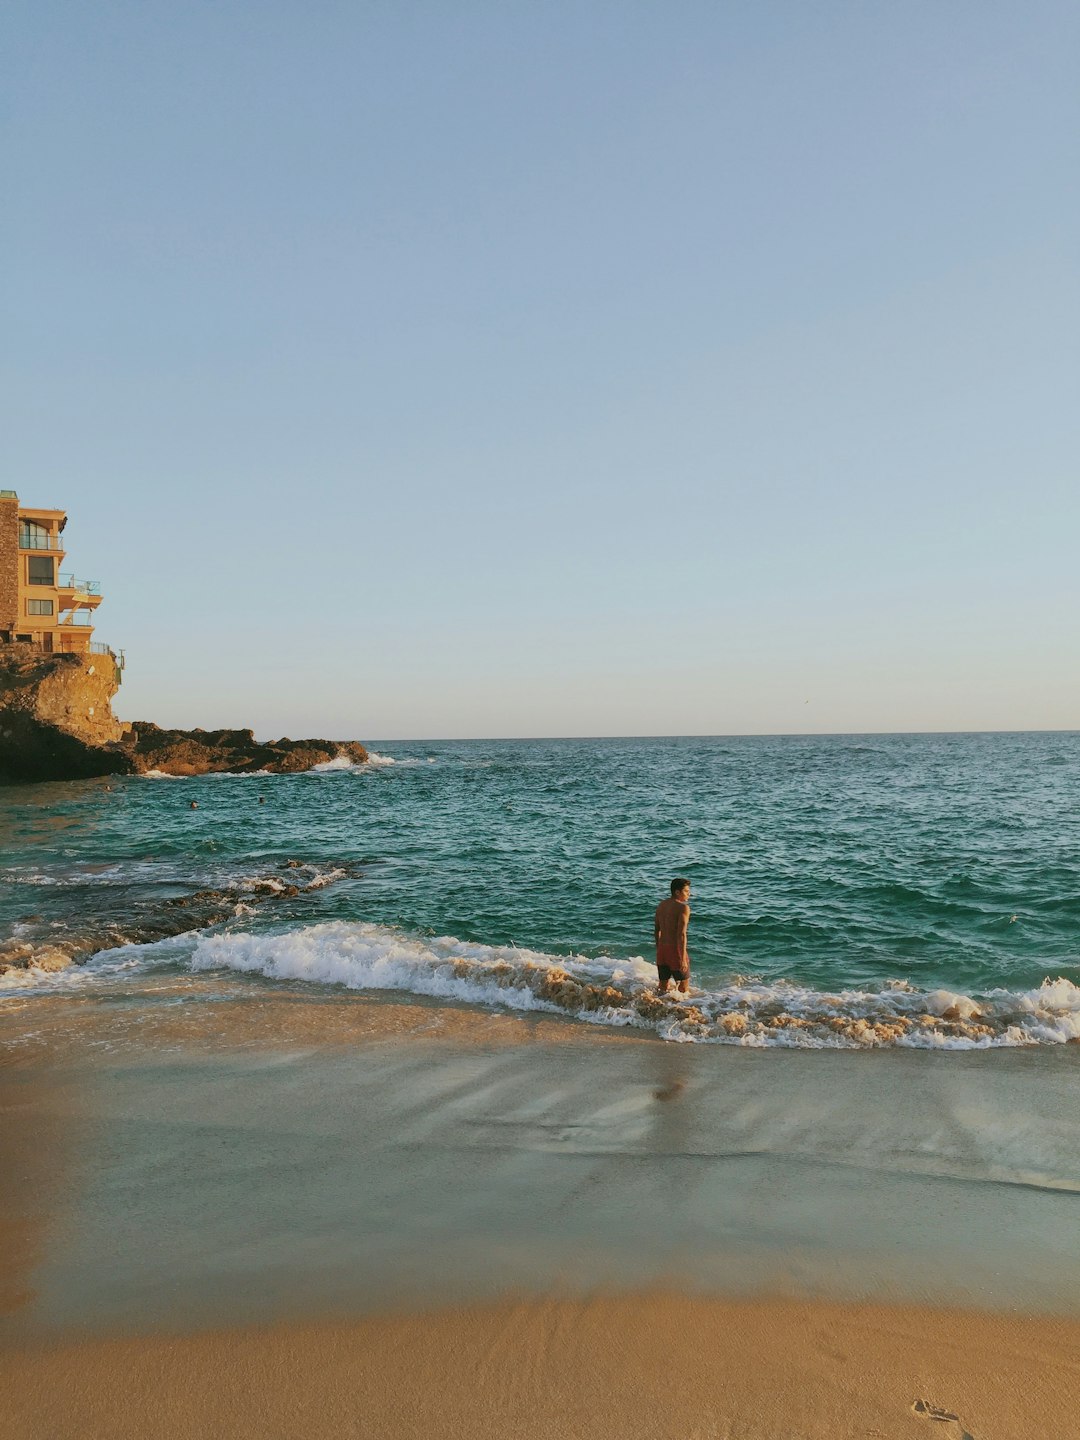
[640,1366]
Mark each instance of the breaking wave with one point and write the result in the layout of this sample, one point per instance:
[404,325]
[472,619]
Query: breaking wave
[374,761]
[742,1011]
[37,945]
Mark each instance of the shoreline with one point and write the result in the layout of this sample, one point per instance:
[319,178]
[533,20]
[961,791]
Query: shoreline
[363,960]
[226,1211]
[183,1158]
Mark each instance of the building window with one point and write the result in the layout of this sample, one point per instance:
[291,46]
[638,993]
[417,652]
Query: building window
[33,536]
[39,607]
[42,570]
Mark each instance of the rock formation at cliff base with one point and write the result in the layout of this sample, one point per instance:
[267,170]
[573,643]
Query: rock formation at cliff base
[204,752]
[56,723]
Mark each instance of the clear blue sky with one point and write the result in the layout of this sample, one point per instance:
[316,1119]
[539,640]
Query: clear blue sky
[441,369]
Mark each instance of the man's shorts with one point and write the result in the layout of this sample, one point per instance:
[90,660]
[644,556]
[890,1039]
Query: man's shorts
[667,974]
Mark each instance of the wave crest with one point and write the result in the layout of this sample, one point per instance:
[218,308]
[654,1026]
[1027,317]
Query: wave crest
[744,1011]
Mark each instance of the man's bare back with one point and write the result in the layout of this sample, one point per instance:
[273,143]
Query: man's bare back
[670,926]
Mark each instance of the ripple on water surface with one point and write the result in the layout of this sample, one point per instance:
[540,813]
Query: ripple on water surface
[822,867]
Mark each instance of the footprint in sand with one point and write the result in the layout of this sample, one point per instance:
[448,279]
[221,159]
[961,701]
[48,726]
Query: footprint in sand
[946,1417]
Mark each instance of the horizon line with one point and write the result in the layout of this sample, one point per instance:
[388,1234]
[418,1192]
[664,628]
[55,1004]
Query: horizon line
[706,735]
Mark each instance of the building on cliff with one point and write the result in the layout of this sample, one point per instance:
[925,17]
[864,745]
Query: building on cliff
[39,604]
[57,684]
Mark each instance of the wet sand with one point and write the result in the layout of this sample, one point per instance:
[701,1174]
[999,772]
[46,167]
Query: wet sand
[235,1213]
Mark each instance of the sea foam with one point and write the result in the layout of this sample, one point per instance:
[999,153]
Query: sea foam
[374,761]
[741,1010]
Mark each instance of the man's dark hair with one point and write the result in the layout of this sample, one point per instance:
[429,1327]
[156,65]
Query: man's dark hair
[677,885]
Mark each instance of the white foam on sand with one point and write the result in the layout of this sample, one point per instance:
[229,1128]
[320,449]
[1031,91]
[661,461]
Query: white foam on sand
[741,1011]
[102,970]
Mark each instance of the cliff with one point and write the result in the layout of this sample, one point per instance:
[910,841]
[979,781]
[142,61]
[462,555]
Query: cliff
[56,723]
[56,720]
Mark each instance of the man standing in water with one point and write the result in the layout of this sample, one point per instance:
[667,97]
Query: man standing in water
[670,926]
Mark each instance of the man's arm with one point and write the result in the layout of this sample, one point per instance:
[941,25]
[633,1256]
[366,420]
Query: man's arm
[656,926]
[682,926]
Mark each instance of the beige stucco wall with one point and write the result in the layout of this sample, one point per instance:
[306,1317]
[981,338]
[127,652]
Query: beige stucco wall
[38,627]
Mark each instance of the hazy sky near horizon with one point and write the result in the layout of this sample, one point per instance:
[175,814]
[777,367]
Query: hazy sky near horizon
[419,370]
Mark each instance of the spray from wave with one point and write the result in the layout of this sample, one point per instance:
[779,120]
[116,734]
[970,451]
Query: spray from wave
[744,1011]
[374,761]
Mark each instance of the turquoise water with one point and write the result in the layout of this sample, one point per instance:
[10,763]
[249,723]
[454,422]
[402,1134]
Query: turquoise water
[874,877]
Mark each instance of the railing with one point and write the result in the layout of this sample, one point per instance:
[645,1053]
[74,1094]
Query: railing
[31,540]
[95,647]
[84,587]
[81,620]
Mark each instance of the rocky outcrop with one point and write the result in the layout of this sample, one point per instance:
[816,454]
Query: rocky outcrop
[206,752]
[56,723]
[56,719]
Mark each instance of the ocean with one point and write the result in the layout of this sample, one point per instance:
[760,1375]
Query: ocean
[849,891]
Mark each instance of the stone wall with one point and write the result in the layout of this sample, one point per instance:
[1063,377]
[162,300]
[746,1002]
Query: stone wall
[9,563]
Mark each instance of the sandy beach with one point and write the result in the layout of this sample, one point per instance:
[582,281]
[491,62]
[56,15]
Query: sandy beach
[354,1218]
[539,760]
[632,1366]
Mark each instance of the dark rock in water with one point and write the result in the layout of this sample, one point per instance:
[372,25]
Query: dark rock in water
[205,752]
[56,723]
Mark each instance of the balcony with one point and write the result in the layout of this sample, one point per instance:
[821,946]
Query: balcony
[78,594]
[33,540]
[72,640]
